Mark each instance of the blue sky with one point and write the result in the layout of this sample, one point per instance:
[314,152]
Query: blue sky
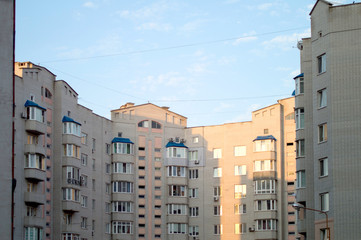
[211,61]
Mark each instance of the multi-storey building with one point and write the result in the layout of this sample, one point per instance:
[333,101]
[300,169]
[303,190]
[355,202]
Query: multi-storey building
[328,123]
[144,174]
[7,30]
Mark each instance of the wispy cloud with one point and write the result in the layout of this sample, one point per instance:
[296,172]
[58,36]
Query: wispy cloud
[246,37]
[286,42]
[155,26]
[89,5]
[197,68]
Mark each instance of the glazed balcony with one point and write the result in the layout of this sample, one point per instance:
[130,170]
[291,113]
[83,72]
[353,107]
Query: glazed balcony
[34,148]
[264,175]
[34,221]
[71,139]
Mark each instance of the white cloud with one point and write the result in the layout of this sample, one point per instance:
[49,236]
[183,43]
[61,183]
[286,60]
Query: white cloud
[192,26]
[286,42]
[197,68]
[155,26]
[246,37]
[89,5]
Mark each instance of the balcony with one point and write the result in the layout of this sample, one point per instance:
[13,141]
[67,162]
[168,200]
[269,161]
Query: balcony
[124,216]
[71,161]
[35,174]
[73,228]
[123,177]
[71,139]
[71,206]
[123,157]
[34,199]
[264,175]
[271,234]
[35,127]
[34,148]
[270,214]
[34,221]
[270,155]
[71,182]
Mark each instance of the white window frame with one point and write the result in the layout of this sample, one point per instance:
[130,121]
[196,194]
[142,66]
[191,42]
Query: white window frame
[177,228]
[240,151]
[240,208]
[217,191]
[193,173]
[122,167]
[299,89]
[122,206]
[217,153]
[265,205]
[264,145]
[325,202]
[323,167]
[300,118]
[300,148]
[176,171]
[193,211]
[72,128]
[322,98]
[240,170]
[217,172]
[193,155]
[240,191]
[193,192]
[177,209]
[177,190]
[321,63]
[264,165]
[122,187]
[218,229]
[301,179]
[265,186]
[193,230]
[122,148]
[266,224]
[240,228]
[176,152]
[122,227]
[322,132]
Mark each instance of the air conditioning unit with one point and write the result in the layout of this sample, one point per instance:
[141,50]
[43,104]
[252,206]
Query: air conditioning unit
[183,140]
[177,140]
[170,140]
[196,162]
[251,229]
[23,115]
[216,199]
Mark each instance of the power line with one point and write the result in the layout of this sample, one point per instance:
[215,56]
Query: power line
[172,47]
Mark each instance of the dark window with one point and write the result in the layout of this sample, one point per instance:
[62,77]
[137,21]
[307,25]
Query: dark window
[156,125]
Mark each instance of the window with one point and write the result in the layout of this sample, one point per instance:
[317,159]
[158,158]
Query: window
[217,172]
[265,205]
[84,159]
[144,124]
[93,164]
[156,125]
[193,155]
[108,228]
[107,207]
[264,186]
[107,188]
[193,230]
[48,93]
[299,85]
[125,207]
[122,187]
[217,153]
[240,191]
[193,193]
[70,236]
[32,139]
[93,144]
[71,128]
[177,228]
[264,165]
[218,229]
[264,145]
[240,208]
[217,210]
[194,211]
[173,152]
[193,173]
[122,227]
[71,150]
[322,98]
[300,118]
[323,234]
[71,194]
[72,173]
[33,233]
[84,201]
[157,159]
[108,148]
[301,179]
[324,200]
[123,148]
[240,228]
[31,211]
[36,114]
[107,168]
[176,171]
[123,168]
[300,148]
[35,161]
[68,218]
[323,167]
[321,60]
[177,209]
[84,223]
[266,224]
[217,191]
[195,139]
[322,133]
[240,170]
[177,190]
[240,151]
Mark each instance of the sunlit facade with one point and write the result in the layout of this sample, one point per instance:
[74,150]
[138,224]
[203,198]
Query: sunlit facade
[144,174]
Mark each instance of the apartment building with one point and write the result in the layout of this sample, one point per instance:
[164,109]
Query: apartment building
[327,123]
[7,28]
[144,174]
